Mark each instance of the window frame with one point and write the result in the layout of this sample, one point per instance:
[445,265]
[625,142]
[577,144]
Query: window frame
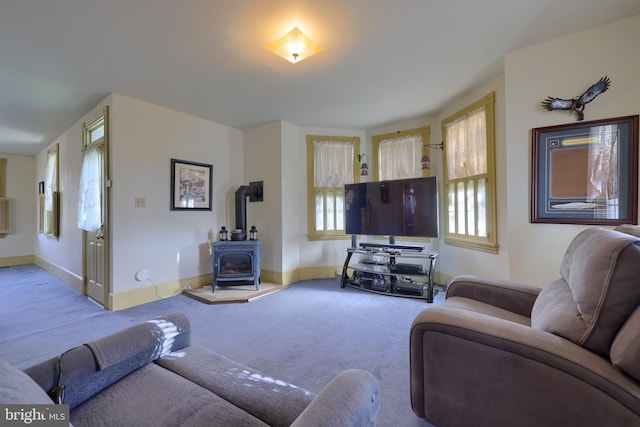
[490,242]
[3,185]
[49,221]
[312,233]
[425,131]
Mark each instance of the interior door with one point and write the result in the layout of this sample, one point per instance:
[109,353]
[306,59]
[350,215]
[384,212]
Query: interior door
[94,262]
[95,235]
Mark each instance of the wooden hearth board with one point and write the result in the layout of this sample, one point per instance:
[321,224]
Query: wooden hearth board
[227,294]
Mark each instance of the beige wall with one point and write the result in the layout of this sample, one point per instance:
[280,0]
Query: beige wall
[276,152]
[23,190]
[263,153]
[63,256]
[561,67]
[172,245]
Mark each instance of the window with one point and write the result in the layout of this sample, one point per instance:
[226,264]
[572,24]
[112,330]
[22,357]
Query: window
[90,192]
[398,155]
[50,199]
[331,163]
[469,177]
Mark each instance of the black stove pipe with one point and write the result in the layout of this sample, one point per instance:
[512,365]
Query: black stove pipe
[241,208]
[253,190]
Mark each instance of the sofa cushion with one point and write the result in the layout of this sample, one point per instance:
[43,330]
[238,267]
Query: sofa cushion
[625,350]
[18,387]
[597,292]
[154,396]
[247,388]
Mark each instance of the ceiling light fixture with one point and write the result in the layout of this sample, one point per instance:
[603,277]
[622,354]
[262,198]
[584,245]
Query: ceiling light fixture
[294,46]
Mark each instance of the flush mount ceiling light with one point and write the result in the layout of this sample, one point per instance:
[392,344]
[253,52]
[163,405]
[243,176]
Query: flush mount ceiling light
[294,46]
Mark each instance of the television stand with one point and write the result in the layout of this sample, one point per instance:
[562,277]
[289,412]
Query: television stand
[374,269]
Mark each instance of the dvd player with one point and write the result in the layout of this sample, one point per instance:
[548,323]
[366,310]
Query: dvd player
[405,268]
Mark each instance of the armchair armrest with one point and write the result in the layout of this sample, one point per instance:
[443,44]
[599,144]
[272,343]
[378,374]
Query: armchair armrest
[473,369]
[515,297]
[349,400]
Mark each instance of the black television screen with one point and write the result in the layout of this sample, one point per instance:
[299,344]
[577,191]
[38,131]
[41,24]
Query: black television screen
[401,207]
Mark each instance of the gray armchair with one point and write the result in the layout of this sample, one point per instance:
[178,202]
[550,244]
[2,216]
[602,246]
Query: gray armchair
[496,353]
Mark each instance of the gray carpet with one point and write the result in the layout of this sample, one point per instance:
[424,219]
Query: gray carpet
[305,334]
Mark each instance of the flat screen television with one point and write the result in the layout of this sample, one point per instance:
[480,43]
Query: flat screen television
[401,207]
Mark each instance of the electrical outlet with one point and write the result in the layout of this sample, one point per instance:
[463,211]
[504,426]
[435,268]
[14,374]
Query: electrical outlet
[187,287]
[140,202]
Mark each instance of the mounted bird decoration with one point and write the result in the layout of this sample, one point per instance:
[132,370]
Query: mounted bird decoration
[577,104]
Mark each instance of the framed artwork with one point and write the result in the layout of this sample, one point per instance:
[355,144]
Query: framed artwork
[586,172]
[191,185]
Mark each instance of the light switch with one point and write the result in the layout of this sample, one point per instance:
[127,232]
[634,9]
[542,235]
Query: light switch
[140,202]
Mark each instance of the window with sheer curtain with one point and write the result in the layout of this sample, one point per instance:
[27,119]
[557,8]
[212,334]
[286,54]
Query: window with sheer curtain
[49,201]
[331,165]
[469,137]
[90,191]
[398,155]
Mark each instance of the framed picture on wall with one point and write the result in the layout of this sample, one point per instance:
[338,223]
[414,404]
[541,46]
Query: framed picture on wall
[586,172]
[191,185]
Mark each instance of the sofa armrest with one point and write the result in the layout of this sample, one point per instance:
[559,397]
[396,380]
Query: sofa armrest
[474,369]
[349,400]
[90,368]
[514,297]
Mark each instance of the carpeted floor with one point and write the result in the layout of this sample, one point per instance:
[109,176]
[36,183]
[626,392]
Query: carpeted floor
[304,334]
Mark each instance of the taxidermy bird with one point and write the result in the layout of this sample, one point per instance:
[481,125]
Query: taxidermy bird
[577,104]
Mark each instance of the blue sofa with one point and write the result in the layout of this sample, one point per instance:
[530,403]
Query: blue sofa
[149,374]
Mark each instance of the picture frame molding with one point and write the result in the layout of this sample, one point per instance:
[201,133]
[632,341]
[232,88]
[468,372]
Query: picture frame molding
[550,141]
[202,173]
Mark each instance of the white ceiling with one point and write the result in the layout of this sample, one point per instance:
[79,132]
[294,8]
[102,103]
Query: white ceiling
[384,60]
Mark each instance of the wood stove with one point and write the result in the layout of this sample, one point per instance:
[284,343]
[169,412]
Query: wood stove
[236,263]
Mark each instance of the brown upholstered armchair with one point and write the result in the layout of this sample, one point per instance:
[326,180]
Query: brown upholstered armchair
[497,353]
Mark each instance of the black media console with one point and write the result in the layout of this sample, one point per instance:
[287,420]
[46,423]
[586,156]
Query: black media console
[374,269]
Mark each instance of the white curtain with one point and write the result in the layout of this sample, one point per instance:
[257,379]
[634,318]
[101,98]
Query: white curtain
[333,163]
[50,180]
[467,145]
[400,158]
[89,198]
